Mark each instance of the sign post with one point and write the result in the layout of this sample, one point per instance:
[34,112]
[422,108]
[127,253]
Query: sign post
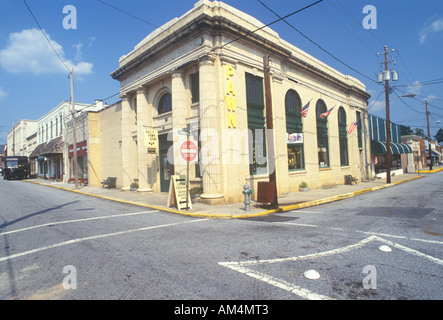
[188,152]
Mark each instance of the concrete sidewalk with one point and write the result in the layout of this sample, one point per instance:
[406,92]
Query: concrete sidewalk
[287,202]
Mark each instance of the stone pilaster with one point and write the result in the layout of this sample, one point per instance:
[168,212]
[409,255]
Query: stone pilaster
[179,114]
[142,125]
[129,151]
[210,131]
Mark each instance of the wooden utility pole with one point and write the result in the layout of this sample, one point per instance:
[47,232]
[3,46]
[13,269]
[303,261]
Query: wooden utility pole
[73,130]
[270,128]
[429,137]
[388,121]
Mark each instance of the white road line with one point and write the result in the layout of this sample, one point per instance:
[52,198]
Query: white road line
[364,232]
[75,220]
[13,256]
[305,293]
[279,283]
[312,255]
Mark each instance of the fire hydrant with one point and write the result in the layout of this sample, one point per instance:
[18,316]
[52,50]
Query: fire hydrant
[247,191]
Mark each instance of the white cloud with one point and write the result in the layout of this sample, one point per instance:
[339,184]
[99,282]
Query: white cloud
[431,28]
[2,93]
[29,51]
[415,88]
[376,105]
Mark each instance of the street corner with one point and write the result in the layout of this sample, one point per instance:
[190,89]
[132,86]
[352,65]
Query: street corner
[365,270]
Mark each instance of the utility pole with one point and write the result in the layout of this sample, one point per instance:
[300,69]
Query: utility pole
[386,77]
[429,136]
[270,126]
[388,121]
[74,129]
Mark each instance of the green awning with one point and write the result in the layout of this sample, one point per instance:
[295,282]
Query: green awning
[379,147]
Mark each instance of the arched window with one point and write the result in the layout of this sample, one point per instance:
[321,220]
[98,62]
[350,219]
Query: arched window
[165,103]
[294,130]
[322,135]
[342,136]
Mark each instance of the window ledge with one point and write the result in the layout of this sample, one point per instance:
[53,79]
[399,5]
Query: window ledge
[297,172]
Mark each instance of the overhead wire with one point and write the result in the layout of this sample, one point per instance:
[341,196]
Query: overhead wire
[46,36]
[316,44]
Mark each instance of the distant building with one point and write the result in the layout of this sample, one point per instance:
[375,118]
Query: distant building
[17,141]
[50,157]
[398,150]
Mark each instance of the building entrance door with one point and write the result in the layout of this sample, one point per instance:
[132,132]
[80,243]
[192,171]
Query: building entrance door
[166,167]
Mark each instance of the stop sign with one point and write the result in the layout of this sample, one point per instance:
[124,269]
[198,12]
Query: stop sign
[188,151]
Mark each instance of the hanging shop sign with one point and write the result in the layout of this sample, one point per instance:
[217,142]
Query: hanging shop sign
[151,141]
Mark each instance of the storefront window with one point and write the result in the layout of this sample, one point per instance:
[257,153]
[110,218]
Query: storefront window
[294,130]
[344,161]
[295,157]
[256,125]
[322,135]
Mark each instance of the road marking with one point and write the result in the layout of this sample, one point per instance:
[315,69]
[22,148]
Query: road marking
[76,220]
[279,283]
[17,255]
[302,292]
[364,232]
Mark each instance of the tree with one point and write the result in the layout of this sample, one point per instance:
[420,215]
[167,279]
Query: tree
[405,130]
[421,133]
[439,135]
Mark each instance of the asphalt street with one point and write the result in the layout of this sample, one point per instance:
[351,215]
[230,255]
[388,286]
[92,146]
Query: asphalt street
[383,245]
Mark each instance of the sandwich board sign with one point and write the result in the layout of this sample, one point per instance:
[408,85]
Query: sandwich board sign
[177,193]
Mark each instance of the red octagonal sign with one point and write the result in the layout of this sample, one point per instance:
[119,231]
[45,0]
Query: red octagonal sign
[188,151]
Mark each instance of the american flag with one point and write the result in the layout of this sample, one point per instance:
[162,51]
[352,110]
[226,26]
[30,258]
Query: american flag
[304,111]
[352,127]
[324,115]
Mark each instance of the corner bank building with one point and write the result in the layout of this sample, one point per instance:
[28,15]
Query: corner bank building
[204,71]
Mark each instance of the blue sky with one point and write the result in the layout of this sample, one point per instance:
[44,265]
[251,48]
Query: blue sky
[33,80]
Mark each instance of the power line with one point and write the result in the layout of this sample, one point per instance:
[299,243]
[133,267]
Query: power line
[47,38]
[129,14]
[316,44]
[269,24]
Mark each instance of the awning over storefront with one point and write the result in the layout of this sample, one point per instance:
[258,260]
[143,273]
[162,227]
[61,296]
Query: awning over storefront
[379,147]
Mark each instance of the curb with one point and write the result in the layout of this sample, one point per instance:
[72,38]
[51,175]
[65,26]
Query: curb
[306,204]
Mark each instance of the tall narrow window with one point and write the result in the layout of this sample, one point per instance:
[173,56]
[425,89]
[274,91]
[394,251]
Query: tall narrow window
[343,137]
[195,87]
[294,130]
[56,127]
[256,125]
[61,124]
[359,130]
[322,135]
[165,103]
[51,130]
